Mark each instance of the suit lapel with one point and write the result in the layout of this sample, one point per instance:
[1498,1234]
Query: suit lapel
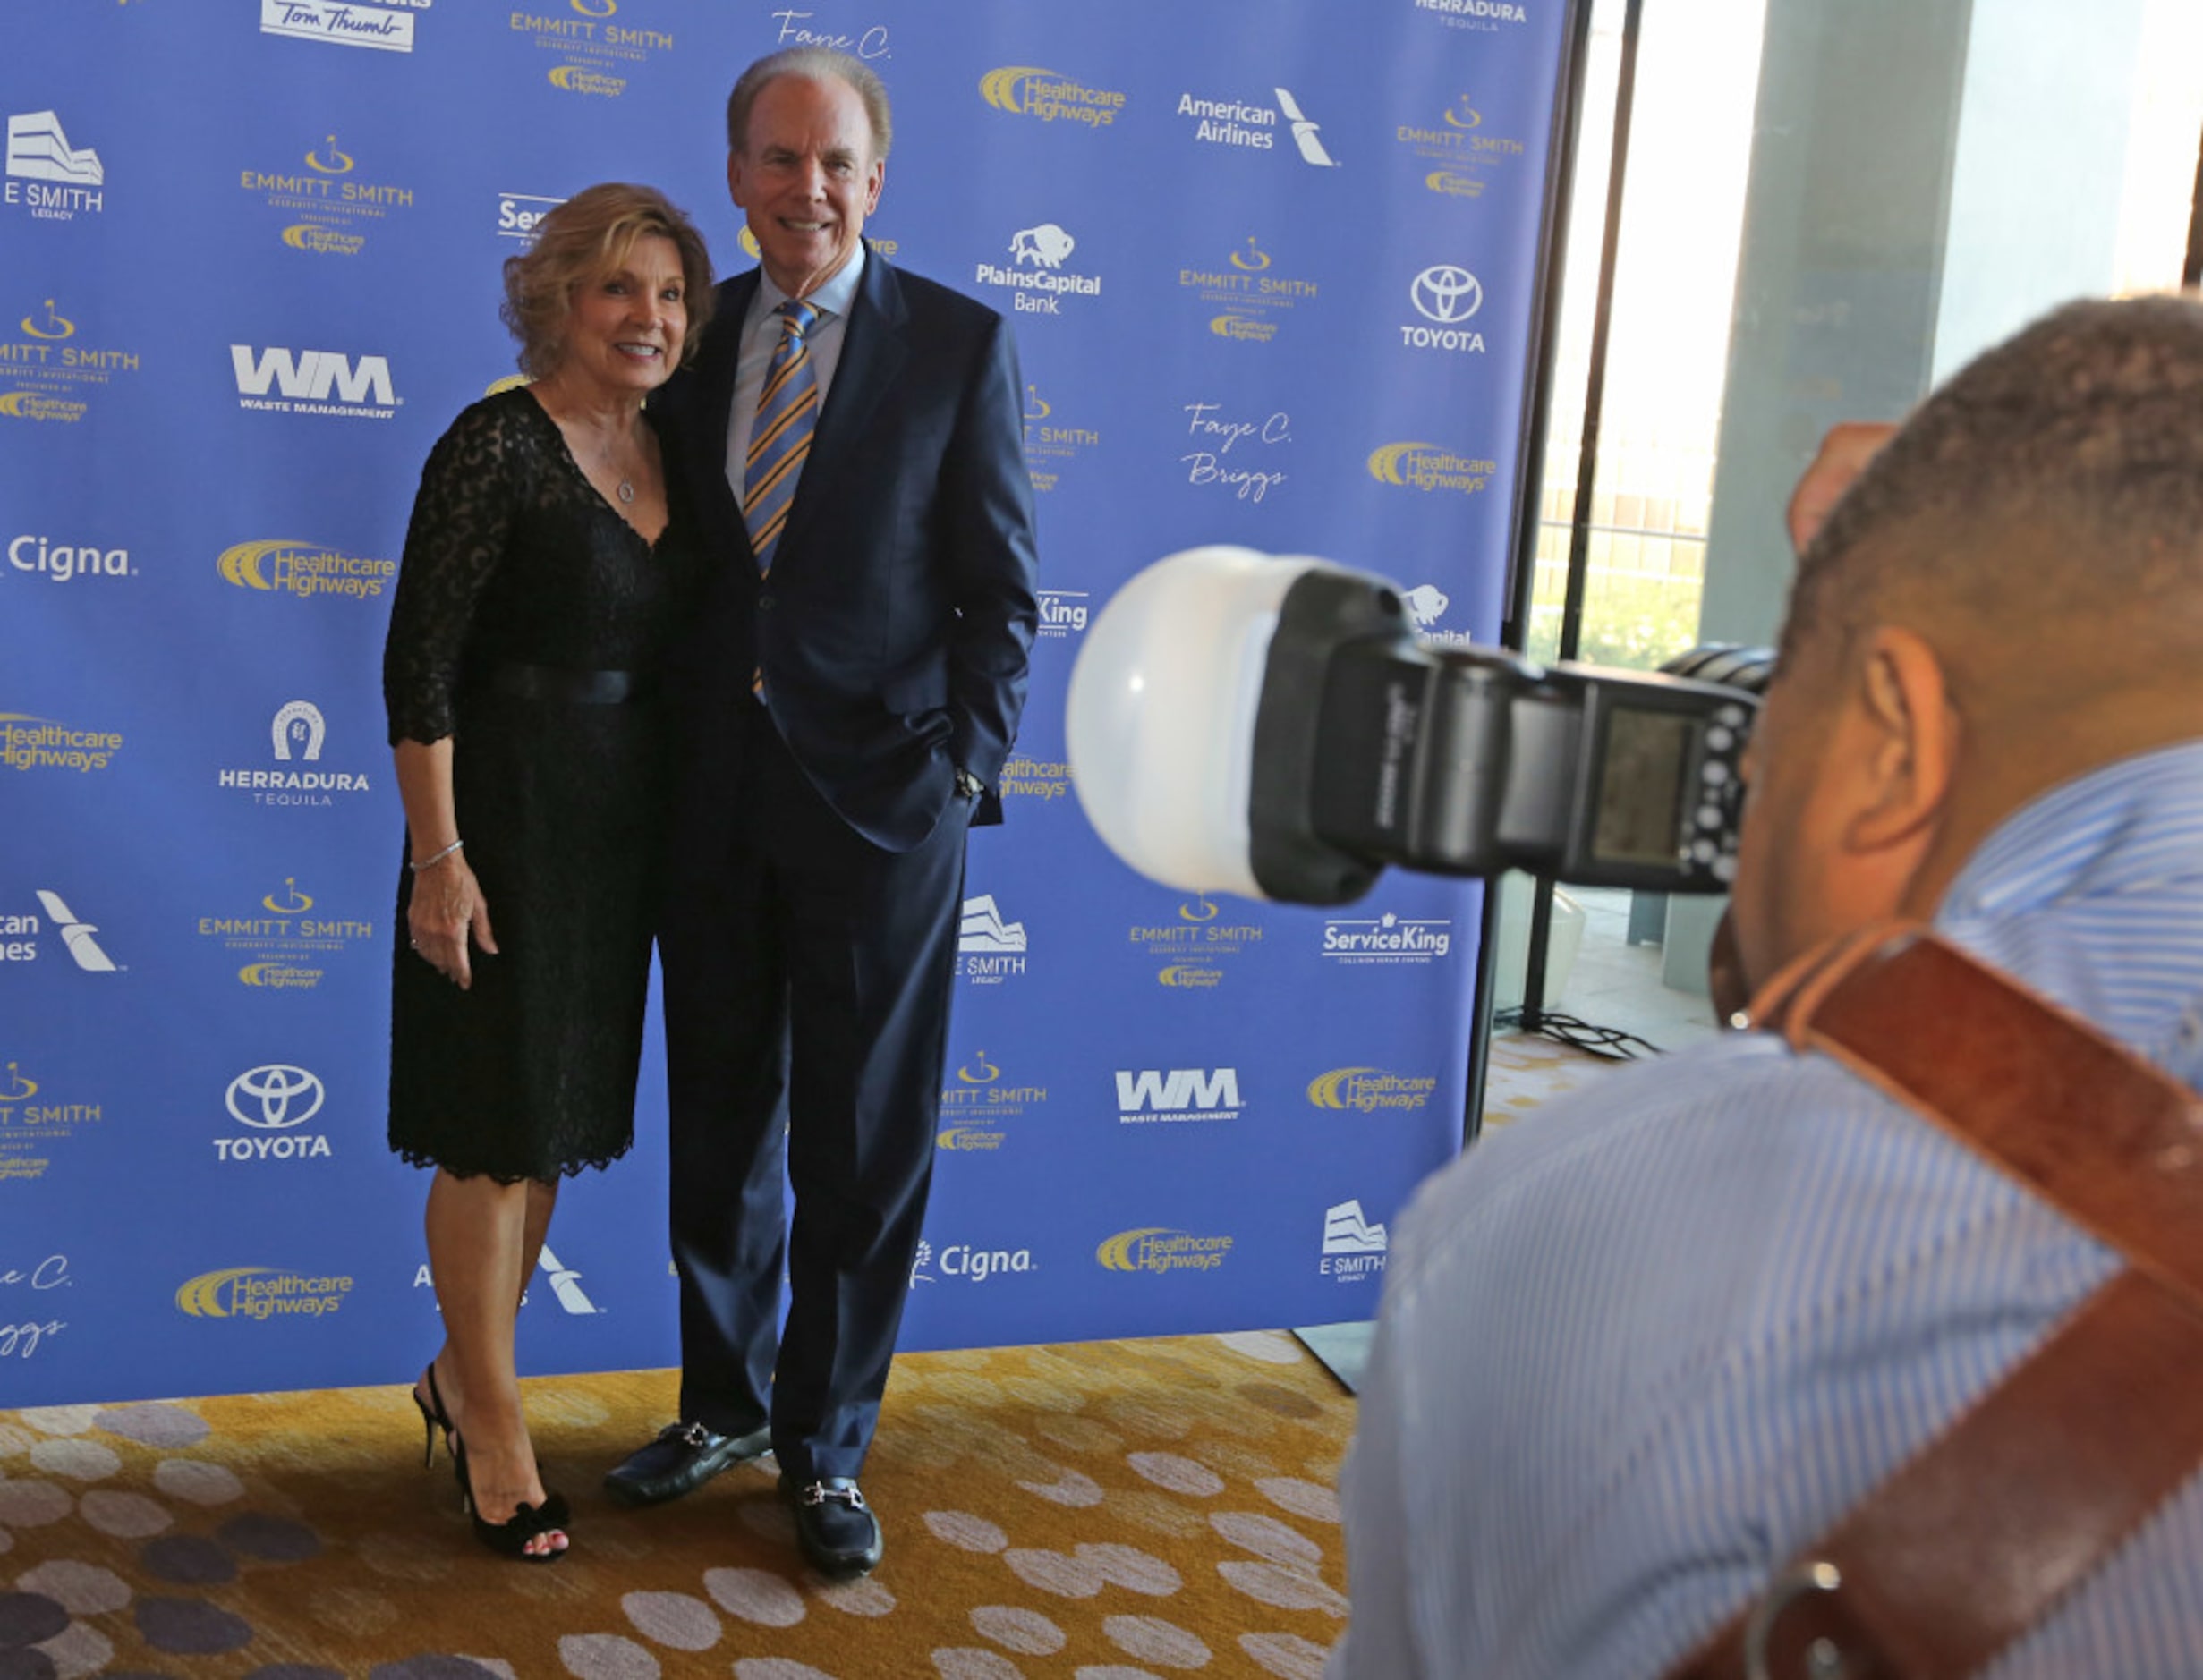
[716,365]
[872,353]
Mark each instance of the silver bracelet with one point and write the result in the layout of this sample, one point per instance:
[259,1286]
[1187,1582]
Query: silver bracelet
[433,858]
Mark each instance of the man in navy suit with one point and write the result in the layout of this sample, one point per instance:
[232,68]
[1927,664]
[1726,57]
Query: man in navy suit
[851,691]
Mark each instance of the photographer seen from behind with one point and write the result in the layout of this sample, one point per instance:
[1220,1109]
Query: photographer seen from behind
[1640,1352]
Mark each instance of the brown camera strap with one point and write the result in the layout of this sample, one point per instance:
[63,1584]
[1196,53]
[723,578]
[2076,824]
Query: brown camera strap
[1983,1532]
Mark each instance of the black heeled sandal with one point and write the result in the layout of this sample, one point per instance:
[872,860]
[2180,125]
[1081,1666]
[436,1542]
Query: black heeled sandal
[433,1416]
[510,1538]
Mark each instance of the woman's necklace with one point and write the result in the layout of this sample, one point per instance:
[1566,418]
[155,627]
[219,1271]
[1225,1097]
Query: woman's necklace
[625,488]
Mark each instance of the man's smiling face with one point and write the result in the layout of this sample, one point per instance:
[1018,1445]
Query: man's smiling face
[806,178]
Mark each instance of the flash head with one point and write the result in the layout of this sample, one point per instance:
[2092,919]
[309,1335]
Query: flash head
[1274,727]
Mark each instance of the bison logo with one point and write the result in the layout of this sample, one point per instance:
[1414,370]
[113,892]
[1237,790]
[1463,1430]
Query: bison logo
[1426,603]
[1044,247]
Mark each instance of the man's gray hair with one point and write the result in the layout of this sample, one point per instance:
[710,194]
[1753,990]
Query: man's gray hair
[812,63]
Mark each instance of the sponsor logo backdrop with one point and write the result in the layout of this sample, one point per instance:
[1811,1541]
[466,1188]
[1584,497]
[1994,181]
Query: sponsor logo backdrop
[1272,266]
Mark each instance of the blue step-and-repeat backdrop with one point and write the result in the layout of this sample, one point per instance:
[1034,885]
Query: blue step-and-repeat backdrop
[1275,270]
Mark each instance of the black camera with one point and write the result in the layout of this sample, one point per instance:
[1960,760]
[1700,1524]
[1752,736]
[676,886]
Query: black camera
[1275,727]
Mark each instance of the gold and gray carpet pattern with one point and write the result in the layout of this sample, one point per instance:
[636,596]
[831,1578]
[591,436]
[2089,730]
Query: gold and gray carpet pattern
[1102,1511]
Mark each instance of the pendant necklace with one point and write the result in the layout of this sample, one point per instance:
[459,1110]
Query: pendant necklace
[625,489]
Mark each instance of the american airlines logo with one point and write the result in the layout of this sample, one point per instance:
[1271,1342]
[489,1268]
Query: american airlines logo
[566,1286]
[312,382]
[1177,1093]
[76,937]
[1252,127]
[1305,131]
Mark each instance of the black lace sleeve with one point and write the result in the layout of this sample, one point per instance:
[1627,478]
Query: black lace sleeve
[454,543]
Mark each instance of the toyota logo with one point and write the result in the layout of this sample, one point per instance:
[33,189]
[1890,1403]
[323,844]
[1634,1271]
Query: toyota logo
[1445,293]
[283,1096]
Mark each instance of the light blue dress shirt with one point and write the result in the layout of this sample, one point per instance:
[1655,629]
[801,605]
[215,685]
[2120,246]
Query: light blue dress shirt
[761,335]
[1639,1349]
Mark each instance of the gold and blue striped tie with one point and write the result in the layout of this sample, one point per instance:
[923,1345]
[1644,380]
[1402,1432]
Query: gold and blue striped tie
[787,414]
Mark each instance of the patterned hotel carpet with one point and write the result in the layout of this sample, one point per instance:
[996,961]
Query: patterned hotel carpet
[1529,1071]
[1102,1511]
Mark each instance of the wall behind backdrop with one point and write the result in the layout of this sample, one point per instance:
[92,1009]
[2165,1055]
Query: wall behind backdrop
[1275,274]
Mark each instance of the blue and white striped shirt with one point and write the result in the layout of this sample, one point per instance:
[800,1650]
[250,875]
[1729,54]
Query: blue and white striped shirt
[1638,1350]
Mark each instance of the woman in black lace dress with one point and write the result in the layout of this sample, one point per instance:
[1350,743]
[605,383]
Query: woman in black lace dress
[546,571]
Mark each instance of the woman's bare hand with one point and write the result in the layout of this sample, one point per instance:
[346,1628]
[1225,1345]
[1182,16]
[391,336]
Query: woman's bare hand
[448,905]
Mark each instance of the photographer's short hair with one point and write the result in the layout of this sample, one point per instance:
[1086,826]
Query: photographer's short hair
[2060,472]
[813,64]
[588,236]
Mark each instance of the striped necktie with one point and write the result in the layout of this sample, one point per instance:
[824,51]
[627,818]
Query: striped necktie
[787,414]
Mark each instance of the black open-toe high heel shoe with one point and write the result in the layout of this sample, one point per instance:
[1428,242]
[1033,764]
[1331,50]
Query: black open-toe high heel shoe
[433,1416]
[510,1538]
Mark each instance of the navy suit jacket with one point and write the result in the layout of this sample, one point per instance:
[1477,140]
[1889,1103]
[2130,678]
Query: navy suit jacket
[895,630]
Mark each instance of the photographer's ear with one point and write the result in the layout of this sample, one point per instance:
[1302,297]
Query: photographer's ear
[1843,456]
[1905,735]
